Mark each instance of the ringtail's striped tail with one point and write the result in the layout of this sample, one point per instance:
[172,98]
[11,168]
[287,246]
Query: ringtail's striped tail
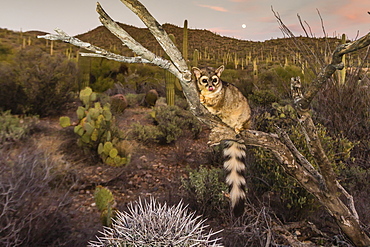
[234,154]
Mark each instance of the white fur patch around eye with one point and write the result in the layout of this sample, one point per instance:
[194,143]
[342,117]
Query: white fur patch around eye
[202,78]
[215,80]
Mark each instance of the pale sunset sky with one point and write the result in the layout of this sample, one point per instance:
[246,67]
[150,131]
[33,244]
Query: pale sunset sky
[242,19]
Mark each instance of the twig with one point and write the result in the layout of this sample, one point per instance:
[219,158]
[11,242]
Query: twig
[351,203]
[300,22]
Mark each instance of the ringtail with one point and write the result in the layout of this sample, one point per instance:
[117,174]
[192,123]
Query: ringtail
[229,104]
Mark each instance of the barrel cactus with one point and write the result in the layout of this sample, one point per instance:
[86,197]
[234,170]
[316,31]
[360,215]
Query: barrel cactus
[149,223]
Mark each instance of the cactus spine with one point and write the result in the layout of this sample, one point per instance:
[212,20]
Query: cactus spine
[149,223]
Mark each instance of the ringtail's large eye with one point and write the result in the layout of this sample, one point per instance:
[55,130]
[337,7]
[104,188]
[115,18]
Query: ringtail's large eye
[215,80]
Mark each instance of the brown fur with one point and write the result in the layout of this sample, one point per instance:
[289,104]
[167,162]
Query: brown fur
[228,103]
[225,100]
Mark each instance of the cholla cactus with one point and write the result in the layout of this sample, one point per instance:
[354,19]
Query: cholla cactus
[148,223]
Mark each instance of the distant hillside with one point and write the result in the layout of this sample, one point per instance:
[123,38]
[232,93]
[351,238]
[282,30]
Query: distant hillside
[213,48]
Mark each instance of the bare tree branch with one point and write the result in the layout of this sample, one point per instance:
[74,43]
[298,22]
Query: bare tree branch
[300,22]
[323,186]
[161,36]
[98,52]
[131,43]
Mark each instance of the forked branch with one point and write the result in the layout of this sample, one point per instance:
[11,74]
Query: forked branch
[324,186]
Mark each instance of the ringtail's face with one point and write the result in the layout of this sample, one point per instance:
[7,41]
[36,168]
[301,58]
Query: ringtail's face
[208,79]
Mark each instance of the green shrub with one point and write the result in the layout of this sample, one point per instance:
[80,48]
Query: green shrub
[134,99]
[265,168]
[263,97]
[207,187]
[147,133]
[14,128]
[171,123]
[37,83]
[102,73]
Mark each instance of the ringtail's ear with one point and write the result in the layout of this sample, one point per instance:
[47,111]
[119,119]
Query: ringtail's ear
[197,72]
[220,70]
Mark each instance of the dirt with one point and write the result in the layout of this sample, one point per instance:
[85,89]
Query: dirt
[154,171]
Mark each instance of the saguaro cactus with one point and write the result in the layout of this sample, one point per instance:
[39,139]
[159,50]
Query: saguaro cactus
[255,69]
[195,58]
[342,73]
[185,41]
[170,81]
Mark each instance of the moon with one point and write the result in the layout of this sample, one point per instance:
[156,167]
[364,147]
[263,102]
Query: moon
[244,26]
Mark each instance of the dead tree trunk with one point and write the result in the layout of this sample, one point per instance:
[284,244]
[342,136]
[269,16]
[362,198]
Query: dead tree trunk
[323,186]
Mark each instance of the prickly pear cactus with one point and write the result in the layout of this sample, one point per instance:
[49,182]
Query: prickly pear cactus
[105,203]
[95,128]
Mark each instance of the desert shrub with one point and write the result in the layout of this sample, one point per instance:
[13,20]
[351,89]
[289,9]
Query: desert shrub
[263,97]
[147,133]
[345,110]
[181,102]
[149,223]
[103,73]
[37,83]
[32,198]
[171,122]
[276,81]
[269,176]
[174,121]
[14,128]
[134,99]
[207,186]
[5,51]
